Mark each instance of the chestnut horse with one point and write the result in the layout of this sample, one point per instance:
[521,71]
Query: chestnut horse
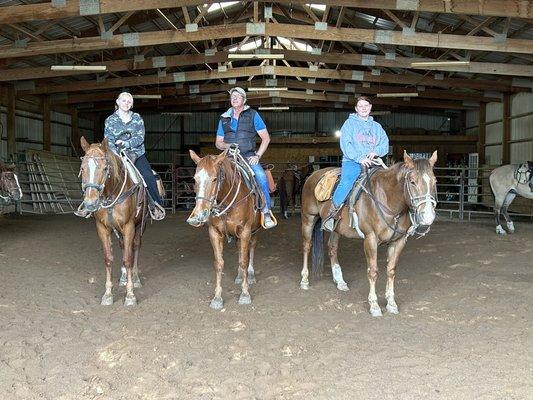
[224,201]
[9,185]
[119,206]
[290,185]
[395,203]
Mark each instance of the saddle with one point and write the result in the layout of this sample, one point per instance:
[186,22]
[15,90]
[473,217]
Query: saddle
[248,176]
[329,181]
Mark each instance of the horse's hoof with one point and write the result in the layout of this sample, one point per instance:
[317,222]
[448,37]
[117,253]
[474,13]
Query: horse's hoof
[251,279]
[304,286]
[137,283]
[238,280]
[510,227]
[244,299]
[343,286]
[217,303]
[500,230]
[376,312]
[107,300]
[130,301]
[392,309]
[123,281]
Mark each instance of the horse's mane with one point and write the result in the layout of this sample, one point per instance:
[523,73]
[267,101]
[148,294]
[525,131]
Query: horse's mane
[5,167]
[117,170]
[399,169]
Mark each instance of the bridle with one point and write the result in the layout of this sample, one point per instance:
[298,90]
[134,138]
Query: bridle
[414,203]
[215,205]
[101,186]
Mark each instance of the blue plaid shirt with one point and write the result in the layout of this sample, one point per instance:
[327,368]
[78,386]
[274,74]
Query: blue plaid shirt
[114,127]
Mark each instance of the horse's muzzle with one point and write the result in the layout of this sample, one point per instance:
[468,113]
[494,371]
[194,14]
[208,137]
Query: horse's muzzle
[197,219]
[91,206]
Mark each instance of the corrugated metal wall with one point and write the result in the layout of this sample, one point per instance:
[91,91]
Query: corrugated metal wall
[163,132]
[521,129]
[29,131]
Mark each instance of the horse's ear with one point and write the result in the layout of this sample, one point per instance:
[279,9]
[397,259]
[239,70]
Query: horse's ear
[195,157]
[105,145]
[220,157]
[433,158]
[84,144]
[408,160]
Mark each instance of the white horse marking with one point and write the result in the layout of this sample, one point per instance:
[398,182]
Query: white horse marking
[202,177]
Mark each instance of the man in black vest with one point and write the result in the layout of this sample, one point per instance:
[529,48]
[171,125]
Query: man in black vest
[240,125]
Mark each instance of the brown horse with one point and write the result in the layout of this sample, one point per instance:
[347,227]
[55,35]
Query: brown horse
[225,202]
[290,185]
[118,205]
[395,204]
[9,184]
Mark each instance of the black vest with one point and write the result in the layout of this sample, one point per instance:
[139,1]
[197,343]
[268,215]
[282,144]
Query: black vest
[246,133]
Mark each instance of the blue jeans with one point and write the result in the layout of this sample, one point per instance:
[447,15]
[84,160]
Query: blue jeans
[144,168]
[261,179]
[349,173]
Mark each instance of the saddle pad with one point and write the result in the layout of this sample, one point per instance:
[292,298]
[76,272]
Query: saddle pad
[324,187]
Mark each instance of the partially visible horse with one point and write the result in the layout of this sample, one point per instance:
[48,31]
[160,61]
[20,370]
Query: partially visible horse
[9,185]
[119,205]
[224,201]
[290,185]
[395,203]
[506,182]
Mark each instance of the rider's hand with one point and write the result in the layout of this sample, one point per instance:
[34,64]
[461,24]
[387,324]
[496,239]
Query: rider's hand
[366,162]
[119,143]
[253,160]
[371,155]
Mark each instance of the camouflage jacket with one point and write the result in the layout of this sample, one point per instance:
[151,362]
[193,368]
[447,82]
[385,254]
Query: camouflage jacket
[115,128]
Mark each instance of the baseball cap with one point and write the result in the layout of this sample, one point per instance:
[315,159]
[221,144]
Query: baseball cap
[239,90]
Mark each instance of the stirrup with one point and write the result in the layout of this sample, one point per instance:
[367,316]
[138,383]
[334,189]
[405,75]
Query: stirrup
[268,220]
[329,223]
[157,212]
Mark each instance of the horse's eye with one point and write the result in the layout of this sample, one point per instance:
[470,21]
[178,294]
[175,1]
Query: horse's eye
[412,182]
[214,180]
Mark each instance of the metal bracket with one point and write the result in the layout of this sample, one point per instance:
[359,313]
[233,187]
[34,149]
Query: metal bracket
[131,39]
[191,28]
[159,62]
[255,29]
[358,75]
[368,59]
[89,7]
[321,26]
[178,76]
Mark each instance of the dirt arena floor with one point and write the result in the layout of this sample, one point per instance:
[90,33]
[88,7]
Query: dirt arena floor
[463,332]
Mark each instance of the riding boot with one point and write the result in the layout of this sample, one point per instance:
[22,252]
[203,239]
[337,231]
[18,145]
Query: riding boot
[268,220]
[157,212]
[330,221]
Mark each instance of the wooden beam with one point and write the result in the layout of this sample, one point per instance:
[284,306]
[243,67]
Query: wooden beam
[8,75]
[506,135]
[171,91]
[45,11]
[433,40]
[10,123]
[47,125]
[75,132]
[342,75]
[482,132]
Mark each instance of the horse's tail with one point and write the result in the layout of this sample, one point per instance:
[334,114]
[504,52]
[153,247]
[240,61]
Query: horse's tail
[283,198]
[317,253]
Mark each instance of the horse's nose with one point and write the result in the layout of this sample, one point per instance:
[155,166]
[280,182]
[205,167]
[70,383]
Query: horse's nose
[197,219]
[91,206]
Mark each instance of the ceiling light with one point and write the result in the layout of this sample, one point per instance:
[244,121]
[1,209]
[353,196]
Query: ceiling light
[177,113]
[409,94]
[440,63]
[253,56]
[146,96]
[274,108]
[88,68]
[265,89]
